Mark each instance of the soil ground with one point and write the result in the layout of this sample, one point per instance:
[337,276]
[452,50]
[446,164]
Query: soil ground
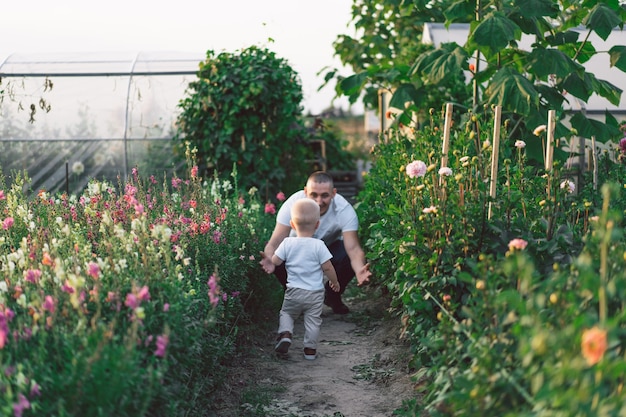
[361,370]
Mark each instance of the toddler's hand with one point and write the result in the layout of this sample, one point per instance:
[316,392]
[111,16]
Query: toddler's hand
[335,286]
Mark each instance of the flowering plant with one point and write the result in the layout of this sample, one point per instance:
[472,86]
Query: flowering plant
[488,302]
[113,300]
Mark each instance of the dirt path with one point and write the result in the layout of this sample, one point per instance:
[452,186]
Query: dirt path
[361,369]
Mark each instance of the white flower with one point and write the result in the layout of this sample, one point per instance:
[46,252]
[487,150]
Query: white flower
[227,185]
[431,209]
[78,168]
[93,188]
[520,144]
[569,186]
[416,169]
[445,171]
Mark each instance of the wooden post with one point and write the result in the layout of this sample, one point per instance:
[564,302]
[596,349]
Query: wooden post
[550,140]
[446,135]
[594,158]
[494,157]
[382,114]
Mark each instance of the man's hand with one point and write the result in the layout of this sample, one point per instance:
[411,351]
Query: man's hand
[363,275]
[266,263]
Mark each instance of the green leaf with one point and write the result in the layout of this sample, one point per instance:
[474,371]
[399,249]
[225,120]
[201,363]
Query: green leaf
[544,62]
[460,11]
[583,51]
[553,97]
[440,64]
[602,19]
[610,120]
[512,91]
[589,127]
[606,89]
[562,38]
[406,93]
[618,57]
[495,32]
[353,83]
[538,8]
[577,86]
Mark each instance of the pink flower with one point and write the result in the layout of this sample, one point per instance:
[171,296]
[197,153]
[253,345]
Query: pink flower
[593,345]
[176,182]
[622,148]
[270,208]
[21,405]
[32,275]
[214,290]
[2,196]
[161,344]
[445,171]
[48,304]
[131,301]
[519,144]
[7,223]
[416,169]
[3,338]
[194,171]
[166,307]
[519,244]
[93,270]
[280,196]
[35,390]
[68,288]
[144,293]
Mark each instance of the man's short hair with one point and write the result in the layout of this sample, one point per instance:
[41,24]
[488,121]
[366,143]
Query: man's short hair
[322,177]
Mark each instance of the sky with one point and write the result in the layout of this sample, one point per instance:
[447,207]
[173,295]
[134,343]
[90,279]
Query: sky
[302,32]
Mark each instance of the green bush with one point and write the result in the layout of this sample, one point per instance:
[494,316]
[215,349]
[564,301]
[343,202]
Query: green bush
[244,111]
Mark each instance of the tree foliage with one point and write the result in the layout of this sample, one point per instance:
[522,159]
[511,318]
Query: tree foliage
[526,83]
[244,112]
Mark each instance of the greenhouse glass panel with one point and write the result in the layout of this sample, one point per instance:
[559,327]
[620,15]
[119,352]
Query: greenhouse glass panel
[95,116]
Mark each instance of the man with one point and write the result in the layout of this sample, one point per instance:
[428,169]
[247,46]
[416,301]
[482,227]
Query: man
[338,229]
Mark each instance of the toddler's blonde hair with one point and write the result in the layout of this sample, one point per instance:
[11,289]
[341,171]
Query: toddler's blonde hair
[305,213]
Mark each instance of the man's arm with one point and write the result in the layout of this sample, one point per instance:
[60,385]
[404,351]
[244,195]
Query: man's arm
[357,257]
[280,233]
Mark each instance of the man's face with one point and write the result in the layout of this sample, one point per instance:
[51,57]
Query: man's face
[321,193]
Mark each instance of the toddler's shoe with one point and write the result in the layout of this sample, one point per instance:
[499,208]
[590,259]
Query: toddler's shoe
[310,354]
[284,341]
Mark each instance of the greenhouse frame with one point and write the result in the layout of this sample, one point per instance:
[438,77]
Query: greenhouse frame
[68,118]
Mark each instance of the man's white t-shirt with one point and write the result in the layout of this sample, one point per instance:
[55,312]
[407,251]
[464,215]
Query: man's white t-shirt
[303,258]
[339,218]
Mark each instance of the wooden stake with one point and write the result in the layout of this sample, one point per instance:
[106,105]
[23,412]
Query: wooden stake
[595,163]
[550,140]
[494,156]
[446,135]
